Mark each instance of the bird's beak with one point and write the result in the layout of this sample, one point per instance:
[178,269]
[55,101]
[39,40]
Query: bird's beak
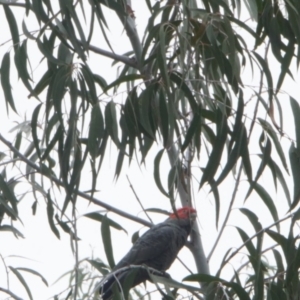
[193,216]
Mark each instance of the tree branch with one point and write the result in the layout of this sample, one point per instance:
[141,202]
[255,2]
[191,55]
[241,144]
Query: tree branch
[126,60]
[130,28]
[79,193]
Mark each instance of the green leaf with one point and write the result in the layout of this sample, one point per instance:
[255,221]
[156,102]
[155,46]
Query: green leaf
[23,282]
[12,229]
[5,82]
[161,56]
[27,33]
[215,191]
[234,155]
[106,238]
[295,166]
[111,121]
[42,84]
[146,112]
[157,173]
[100,266]
[126,78]
[281,240]
[164,117]
[280,267]
[21,64]
[50,145]
[34,125]
[90,80]
[268,128]
[8,194]
[178,79]
[285,64]
[194,128]
[249,245]
[96,131]
[64,54]
[50,214]
[278,175]
[252,218]
[264,195]
[296,113]
[13,26]
[267,73]
[217,151]
[98,217]
[18,143]
[34,273]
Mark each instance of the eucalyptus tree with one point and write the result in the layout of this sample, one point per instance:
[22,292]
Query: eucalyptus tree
[200,86]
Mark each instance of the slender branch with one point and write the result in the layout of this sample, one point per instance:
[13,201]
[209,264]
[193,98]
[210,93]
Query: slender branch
[126,60]
[6,270]
[237,182]
[254,236]
[138,199]
[150,270]
[11,294]
[9,162]
[238,271]
[76,251]
[130,28]
[79,193]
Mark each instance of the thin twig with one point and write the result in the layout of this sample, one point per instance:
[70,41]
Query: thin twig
[138,199]
[254,236]
[237,182]
[6,270]
[76,251]
[248,261]
[121,58]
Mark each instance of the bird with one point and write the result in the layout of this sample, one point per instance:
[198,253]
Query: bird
[157,249]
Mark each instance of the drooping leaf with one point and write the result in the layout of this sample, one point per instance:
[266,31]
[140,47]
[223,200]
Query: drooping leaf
[50,214]
[5,82]
[34,273]
[98,217]
[157,172]
[111,121]
[13,26]
[266,198]
[34,127]
[106,238]
[8,194]
[10,228]
[22,280]
[268,128]
[295,166]
[96,131]
[217,151]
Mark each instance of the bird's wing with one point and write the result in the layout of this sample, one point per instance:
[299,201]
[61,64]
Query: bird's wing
[152,244]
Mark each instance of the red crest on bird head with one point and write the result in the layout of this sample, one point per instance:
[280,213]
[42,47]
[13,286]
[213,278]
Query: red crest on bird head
[186,212]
